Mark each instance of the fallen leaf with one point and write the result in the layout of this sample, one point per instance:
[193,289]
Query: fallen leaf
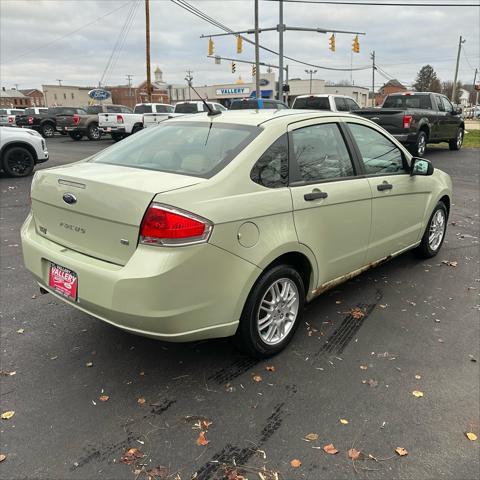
[471,436]
[141,401]
[232,474]
[372,382]
[142,374]
[103,398]
[338,302]
[450,263]
[158,472]
[21,330]
[357,313]
[7,415]
[295,463]
[201,440]
[2,457]
[418,377]
[401,451]
[311,437]
[363,367]
[343,421]
[205,424]
[131,455]
[89,364]
[257,378]
[353,454]
[270,368]
[4,373]
[417,393]
[330,449]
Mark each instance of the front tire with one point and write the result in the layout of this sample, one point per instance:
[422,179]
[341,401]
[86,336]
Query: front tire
[47,130]
[434,235]
[272,312]
[457,142]
[18,162]
[116,137]
[420,146]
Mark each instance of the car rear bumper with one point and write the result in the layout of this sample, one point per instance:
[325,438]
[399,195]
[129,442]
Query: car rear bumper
[112,129]
[174,294]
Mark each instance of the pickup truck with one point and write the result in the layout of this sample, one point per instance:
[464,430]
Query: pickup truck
[78,125]
[7,116]
[45,122]
[325,101]
[418,118]
[121,125]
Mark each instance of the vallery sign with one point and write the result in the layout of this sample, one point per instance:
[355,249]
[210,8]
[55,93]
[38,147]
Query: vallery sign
[233,91]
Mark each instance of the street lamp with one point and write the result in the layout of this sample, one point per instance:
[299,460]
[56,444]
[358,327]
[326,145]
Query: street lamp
[311,73]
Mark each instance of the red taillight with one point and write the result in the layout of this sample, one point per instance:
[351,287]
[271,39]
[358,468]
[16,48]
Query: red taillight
[119,118]
[407,121]
[162,225]
[10,119]
[76,119]
[30,120]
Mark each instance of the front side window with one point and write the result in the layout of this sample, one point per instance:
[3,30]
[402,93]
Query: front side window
[271,169]
[199,149]
[351,104]
[320,153]
[380,156]
[447,105]
[438,100]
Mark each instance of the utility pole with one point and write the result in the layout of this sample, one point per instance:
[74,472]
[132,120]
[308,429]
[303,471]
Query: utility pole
[473,86]
[280,27]
[454,88]
[372,56]
[189,80]
[16,86]
[129,79]
[147,35]
[59,81]
[311,73]
[257,55]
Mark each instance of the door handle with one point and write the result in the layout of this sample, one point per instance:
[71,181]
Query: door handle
[315,195]
[384,186]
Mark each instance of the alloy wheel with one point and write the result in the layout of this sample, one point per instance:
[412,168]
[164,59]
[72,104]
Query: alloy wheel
[421,146]
[459,138]
[19,162]
[437,230]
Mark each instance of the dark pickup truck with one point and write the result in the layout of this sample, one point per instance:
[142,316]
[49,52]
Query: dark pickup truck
[78,125]
[418,118]
[46,122]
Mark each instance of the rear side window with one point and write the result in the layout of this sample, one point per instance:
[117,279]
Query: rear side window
[320,153]
[198,149]
[271,169]
[312,103]
[341,104]
[380,156]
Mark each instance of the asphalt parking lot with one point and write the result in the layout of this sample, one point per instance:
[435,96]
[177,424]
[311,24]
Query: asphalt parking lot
[420,333]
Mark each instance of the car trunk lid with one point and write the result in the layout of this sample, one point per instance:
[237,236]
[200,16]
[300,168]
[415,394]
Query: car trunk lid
[95,208]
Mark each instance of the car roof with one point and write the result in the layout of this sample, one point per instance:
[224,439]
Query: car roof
[323,95]
[258,117]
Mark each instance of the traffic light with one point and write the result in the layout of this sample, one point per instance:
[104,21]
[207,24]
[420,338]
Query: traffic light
[211,46]
[234,67]
[356,45]
[239,44]
[254,71]
[332,42]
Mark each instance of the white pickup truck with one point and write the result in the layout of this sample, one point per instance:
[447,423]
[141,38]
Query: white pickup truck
[121,125]
[7,116]
[181,108]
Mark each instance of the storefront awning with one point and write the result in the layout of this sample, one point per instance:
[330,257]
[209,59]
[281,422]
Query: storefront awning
[264,93]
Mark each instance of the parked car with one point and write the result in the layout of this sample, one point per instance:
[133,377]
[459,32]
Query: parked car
[334,103]
[7,116]
[86,124]
[20,151]
[122,125]
[213,226]
[163,113]
[45,122]
[197,107]
[34,110]
[254,103]
[419,118]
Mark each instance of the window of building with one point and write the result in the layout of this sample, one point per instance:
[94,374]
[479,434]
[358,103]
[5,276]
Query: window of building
[55,96]
[64,96]
[73,96]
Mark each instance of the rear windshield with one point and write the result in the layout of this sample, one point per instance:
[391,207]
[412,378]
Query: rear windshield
[187,108]
[244,105]
[312,103]
[69,111]
[164,108]
[142,109]
[408,101]
[187,148]
[93,109]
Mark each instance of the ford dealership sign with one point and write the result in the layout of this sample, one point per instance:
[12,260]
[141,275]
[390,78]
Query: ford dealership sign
[99,94]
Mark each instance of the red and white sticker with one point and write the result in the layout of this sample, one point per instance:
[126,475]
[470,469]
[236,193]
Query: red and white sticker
[63,281]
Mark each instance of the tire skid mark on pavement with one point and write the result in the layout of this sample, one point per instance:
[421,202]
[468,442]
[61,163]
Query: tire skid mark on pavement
[105,451]
[231,455]
[234,370]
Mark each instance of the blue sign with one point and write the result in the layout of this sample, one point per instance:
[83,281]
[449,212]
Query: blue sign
[264,93]
[99,94]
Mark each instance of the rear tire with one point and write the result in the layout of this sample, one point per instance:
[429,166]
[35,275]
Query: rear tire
[75,136]
[18,162]
[271,313]
[418,148]
[457,142]
[136,128]
[47,130]
[434,234]
[117,137]
[93,132]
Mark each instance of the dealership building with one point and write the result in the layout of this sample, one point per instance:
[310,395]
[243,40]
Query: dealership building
[226,92]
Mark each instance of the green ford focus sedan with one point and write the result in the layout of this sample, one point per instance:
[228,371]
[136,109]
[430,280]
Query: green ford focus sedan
[225,225]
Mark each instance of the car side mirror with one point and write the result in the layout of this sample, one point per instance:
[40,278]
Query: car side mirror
[421,166]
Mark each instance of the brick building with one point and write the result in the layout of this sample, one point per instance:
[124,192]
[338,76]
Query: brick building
[392,86]
[36,97]
[12,98]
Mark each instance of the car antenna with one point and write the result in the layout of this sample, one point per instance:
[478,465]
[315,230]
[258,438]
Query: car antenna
[211,111]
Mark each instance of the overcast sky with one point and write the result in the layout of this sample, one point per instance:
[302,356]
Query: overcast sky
[45,40]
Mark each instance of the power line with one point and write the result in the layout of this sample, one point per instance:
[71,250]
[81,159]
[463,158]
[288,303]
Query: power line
[195,11]
[69,34]
[380,4]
